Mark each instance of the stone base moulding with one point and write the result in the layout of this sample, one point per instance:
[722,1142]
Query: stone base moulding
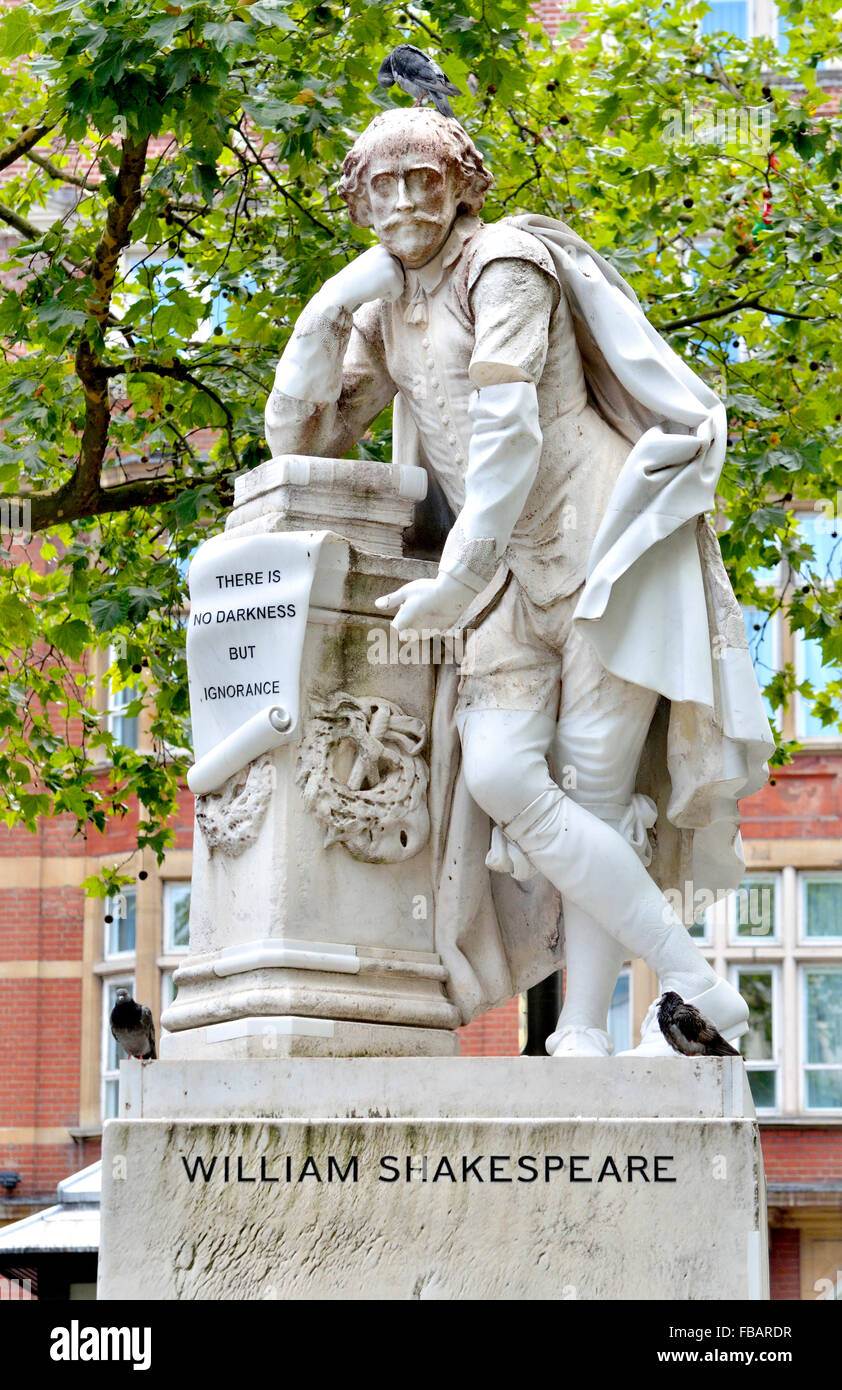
[441,1178]
[378,1000]
[262,1037]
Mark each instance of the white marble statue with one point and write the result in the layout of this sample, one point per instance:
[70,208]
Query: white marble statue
[607,710]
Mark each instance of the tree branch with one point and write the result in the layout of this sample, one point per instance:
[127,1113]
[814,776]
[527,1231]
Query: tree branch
[20,224]
[82,493]
[23,143]
[116,236]
[178,370]
[738,304]
[56,173]
[282,188]
[60,507]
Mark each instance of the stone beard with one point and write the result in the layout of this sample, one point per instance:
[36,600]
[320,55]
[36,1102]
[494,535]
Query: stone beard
[481,334]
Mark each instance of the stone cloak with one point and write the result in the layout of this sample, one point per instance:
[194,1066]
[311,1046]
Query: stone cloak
[659,608]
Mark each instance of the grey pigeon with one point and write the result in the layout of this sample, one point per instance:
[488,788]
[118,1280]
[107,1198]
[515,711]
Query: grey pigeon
[418,76]
[132,1026]
[687,1031]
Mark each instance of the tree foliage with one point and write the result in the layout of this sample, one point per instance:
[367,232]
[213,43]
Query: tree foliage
[197,146]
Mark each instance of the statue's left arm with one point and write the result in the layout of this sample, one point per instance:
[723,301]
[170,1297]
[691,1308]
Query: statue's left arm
[512,301]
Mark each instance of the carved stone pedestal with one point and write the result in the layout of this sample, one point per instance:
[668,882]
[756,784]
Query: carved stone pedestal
[311,926]
[424,1178]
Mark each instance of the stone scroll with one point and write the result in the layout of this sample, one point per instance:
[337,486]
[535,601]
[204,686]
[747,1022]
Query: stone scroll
[249,600]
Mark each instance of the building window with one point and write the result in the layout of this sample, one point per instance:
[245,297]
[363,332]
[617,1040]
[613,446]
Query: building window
[821,907]
[819,530]
[121,726]
[176,917]
[809,666]
[112,1054]
[822,1033]
[763,637]
[619,1013]
[732,16]
[702,925]
[780,938]
[753,909]
[120,923]
[759,1046]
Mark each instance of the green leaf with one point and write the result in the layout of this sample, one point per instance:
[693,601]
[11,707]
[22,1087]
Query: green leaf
[72,637]
[17,33]
[108,613]
[58,315]
[269,113]
[162,31]
[233,31]
[273,15]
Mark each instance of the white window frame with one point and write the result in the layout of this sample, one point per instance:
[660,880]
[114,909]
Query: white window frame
[112,905]
[708,921]
[814,875]
[109,1076]
[774,1063]
[773,938]
[169,946]
[801,706]
[116,702]
[834,967]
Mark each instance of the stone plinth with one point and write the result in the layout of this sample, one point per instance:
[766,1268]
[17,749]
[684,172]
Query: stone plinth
[312,927]
[380,1178]
[369,503]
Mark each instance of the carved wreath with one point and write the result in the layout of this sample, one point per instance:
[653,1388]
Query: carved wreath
[361,773]
[230,819]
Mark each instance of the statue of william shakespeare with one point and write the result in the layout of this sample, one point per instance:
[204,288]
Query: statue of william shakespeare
[607,717]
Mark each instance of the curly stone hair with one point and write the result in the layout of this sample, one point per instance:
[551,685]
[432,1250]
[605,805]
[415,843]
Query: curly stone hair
[418,125]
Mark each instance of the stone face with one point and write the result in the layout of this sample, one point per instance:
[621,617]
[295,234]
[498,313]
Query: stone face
[368,1183]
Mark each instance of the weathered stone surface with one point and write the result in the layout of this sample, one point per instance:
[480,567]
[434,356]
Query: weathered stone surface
[308,1205]
[312,911]
[483,1087]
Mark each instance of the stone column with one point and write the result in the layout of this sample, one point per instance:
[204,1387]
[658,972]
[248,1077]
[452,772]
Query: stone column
[312,915]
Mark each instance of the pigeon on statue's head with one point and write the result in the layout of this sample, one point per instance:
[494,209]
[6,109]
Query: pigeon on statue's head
[688,1032]
[418,76]
[132,1027]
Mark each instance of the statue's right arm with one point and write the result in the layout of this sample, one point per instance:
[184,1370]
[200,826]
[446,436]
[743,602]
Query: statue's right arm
[332,380]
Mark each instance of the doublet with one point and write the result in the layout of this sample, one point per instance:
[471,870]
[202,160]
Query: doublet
[453,330]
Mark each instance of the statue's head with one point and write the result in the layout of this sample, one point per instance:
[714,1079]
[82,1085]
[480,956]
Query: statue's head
[410,173]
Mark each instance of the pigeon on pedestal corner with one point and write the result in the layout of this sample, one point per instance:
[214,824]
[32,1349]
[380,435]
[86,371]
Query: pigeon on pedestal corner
[418,76]
[688,1032]
[132,1027]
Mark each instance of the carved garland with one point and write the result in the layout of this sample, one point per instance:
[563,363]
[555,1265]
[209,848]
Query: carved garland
[361,773]
[230,819]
